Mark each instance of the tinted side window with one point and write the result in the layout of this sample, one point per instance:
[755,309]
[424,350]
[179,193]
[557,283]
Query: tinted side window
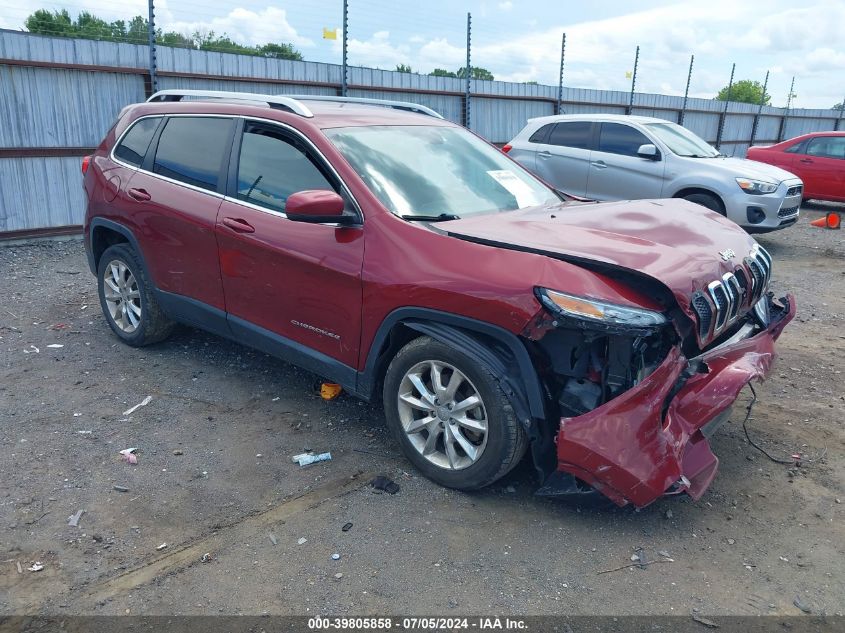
[617,138]
[798,148]
[572,134]
[827,147]
[192,149]
[272,166]
[136,141]
[540,135]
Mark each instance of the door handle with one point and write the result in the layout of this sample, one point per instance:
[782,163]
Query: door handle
[599,163]
[544,154]
[806,160]
[238,225]
[139,194]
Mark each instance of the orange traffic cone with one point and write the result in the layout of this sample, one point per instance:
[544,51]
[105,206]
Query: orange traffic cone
[830,221]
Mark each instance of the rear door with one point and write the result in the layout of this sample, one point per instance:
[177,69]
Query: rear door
[822,168]
[563,158]
[291,284]
[175,197]
[616,172]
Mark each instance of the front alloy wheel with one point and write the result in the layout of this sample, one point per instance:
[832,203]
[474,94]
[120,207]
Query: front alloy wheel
[450,416]
[443,415]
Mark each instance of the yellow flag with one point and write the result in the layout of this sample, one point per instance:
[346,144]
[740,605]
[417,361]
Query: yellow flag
[628,74]
[329,34]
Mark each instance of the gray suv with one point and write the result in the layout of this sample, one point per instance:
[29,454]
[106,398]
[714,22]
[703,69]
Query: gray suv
[618,157]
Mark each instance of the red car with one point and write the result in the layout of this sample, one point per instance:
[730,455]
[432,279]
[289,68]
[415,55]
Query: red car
[818,159]
[398,254]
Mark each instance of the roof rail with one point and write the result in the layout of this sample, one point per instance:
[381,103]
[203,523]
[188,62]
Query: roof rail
[291,104]
[385,103]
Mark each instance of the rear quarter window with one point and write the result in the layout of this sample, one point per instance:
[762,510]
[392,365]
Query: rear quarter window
[135,143]
[542,134]
[191,150]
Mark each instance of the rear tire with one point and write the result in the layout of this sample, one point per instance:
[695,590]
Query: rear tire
[707,200]
[127,300]
[449,415]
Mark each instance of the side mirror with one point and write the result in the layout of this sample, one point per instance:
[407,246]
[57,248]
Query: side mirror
[648,151]
[316,206]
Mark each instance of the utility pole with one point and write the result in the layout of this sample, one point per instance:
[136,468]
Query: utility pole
[633,81]
[725,111]
[782,132]
[686,92]
[467,118]
[151,35]
[343,82]
[759,110]
[560,80]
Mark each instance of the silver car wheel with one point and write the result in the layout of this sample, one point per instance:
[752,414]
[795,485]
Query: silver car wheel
[443,415]
[122,295]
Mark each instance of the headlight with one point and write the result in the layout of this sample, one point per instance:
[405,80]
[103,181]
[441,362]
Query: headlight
[598,312]
[756,187]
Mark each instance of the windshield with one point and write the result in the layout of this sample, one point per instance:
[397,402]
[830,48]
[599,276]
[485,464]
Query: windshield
[681,141]
[437,171]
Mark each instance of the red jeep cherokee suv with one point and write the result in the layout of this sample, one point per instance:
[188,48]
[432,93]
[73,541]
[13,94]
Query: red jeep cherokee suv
[398,254]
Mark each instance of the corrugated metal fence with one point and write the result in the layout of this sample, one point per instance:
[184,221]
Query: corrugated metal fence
[58,97]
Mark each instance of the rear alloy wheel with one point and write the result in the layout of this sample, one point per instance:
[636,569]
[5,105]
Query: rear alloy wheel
[127,300]
[450,416]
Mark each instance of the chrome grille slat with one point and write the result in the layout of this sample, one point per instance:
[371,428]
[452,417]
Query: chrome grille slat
[733,294]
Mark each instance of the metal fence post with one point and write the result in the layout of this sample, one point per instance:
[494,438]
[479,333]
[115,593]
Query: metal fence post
[343,80]
[151,35]
[759,111]
[838,123]
[467,118]
[725,111]
[560,80]
[785,117]
[630,107]
[686,92]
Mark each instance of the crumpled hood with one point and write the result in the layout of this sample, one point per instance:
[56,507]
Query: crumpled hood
[674,241]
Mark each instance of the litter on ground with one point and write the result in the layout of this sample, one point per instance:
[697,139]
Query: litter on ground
[143,403]
[73,519]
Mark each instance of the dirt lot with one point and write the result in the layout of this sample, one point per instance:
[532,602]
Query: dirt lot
[214,476]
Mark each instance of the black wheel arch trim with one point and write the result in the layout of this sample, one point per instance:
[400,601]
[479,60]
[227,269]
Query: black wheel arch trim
[125,232]
[518,378]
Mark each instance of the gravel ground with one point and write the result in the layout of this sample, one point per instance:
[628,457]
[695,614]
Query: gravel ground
[214,481]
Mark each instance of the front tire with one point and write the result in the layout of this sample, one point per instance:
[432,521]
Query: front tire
[449,415]
[707,200]
[127,300]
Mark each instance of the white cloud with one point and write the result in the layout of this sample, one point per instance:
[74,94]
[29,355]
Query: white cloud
[242,25]
[507,5]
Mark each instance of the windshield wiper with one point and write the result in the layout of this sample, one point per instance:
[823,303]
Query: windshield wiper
[431,218]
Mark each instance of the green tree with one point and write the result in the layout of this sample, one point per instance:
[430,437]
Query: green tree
[839,106]
[440,72]
[477,73]
[745,91]
[280,51]
[403,68]
[89,26]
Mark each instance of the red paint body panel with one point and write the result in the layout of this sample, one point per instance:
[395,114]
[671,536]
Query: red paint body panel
[824,177]
[627,452]
[288,274]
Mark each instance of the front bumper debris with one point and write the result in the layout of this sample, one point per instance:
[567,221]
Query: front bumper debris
[652,439]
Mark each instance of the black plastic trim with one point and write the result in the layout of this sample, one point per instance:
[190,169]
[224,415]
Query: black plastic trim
[117,228]
[452,329]
[193,312]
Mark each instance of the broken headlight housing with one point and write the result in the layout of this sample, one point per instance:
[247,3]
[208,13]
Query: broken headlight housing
[591,313]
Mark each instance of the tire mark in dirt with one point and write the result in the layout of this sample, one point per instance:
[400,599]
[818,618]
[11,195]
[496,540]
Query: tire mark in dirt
[180,559]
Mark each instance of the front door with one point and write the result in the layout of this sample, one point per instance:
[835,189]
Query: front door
[822,168]
[616,172]
[295,284]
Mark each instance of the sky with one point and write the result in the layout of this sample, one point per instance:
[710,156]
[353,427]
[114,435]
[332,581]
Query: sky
[520,41]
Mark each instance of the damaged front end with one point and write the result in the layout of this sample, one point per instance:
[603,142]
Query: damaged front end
[635,396]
